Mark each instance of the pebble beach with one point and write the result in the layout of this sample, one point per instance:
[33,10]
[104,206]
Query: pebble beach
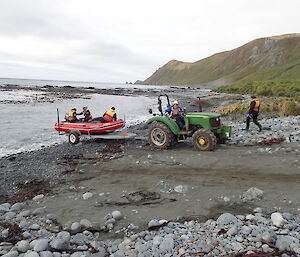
[40,213]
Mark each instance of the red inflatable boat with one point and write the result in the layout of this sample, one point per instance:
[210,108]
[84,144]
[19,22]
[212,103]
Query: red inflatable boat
[89,127]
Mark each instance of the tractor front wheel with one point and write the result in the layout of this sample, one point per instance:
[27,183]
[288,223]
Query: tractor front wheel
[160,136]
[204,140]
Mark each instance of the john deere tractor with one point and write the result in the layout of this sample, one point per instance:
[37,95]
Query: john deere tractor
[205,129]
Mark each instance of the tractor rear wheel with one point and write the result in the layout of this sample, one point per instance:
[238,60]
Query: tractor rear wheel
[160,136]
[204,140]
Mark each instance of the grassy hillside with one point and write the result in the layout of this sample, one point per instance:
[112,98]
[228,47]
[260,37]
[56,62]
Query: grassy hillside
[262,59]
[287,88]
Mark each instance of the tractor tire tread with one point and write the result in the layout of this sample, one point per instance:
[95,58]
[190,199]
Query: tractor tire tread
[211,136]
[170,136]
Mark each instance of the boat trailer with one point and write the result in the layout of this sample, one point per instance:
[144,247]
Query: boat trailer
[75,135]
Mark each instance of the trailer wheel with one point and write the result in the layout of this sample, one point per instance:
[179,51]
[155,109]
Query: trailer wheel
[204,140]
[74,138]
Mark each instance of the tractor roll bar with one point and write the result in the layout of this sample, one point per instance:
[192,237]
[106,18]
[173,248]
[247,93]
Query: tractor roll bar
[160,102]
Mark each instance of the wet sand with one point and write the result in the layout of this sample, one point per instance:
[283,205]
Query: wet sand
[206,176]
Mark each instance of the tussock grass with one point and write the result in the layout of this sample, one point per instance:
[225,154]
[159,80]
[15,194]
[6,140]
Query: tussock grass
[274,88]
[272,106]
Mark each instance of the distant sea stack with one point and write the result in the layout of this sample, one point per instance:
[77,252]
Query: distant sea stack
[276,57]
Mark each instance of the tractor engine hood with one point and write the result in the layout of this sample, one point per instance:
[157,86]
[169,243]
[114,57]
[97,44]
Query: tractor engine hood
[205,115]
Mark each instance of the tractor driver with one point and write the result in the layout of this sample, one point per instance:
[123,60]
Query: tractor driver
[175,112]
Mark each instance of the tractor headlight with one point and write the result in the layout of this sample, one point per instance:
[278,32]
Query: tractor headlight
[215,122]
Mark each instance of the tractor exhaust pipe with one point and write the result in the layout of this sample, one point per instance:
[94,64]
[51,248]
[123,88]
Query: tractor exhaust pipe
[199,104]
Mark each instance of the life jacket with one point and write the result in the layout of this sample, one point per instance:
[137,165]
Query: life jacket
[71,115]
[175,111]
[109,115]
[257,105]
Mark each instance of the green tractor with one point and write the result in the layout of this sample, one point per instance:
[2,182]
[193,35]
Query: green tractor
[204,128]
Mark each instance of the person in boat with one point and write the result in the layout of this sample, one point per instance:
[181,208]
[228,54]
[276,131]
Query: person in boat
[87,114]
[175,112]
[108,116]
[72,115]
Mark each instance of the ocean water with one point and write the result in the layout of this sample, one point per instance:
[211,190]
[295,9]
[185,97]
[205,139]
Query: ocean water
[35,82]
[27,127]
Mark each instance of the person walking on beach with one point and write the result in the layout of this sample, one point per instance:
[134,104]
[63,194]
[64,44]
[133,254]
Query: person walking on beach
[253,113]
[175,112]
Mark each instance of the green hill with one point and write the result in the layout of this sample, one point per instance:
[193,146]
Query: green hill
[267,58]
[276,87]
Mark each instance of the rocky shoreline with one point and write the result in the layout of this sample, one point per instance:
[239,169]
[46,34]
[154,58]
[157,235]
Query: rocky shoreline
[27,233]
[96,198]
[50,94]
[275,130]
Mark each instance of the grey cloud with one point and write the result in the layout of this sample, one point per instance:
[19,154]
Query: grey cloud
[110,62]
[112,52]
[87,46]
[40,18]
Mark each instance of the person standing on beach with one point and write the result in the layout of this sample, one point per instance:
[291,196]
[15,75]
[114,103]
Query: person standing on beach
[253,113]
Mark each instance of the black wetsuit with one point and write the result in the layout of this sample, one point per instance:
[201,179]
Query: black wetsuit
[87,116]
[254,115]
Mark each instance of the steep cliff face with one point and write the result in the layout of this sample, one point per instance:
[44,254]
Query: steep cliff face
[264,58]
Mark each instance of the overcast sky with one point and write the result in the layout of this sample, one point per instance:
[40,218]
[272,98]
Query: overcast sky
[127,40]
